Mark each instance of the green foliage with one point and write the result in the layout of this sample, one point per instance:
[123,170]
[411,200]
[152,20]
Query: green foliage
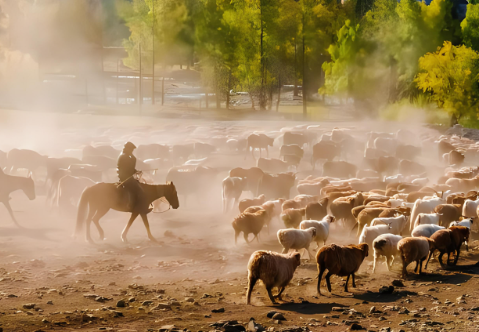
[470,27]
[451,76]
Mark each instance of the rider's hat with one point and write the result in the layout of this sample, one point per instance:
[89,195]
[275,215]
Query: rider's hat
[129,145]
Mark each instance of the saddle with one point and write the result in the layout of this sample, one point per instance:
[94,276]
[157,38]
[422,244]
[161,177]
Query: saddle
[125,198]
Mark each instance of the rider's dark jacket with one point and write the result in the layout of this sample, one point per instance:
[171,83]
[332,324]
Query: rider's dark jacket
[126,166]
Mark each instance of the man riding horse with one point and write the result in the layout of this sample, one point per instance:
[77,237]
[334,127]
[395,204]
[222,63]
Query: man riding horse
[126,168]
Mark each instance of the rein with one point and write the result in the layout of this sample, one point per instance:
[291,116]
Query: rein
[164,200]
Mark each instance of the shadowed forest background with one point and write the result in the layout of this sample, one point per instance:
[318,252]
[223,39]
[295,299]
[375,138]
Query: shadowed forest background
[375,58]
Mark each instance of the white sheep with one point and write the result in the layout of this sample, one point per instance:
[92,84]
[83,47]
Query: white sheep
[466,223]
[393,203]
[425,230]
[370,233]
[469,209]
[322,228]
[296,239]
[427,219]
[424,206]
[386,245]
[396,224]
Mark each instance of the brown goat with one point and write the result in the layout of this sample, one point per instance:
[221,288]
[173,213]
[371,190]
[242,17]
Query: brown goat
[447,241]
[343,261]
[267,208]
[366,216]
[317,210]
[247,202]
[249,223]
[448,213]
[293,217]
[273,269]
[341,208]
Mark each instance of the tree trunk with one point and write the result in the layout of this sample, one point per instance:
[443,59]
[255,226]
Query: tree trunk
[228,92]
[295,90]
[454,120]
[262,92]
[279,94]
[252,100]
[305,107]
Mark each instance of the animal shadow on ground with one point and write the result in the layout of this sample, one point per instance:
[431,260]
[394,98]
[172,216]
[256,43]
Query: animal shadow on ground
[32,233]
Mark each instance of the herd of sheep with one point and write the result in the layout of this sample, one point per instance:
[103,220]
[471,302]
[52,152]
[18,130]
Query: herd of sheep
[402,195]
[401,185]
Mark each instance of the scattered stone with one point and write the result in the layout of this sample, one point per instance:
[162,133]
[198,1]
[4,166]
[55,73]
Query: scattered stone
[147,303]
[189,299]
[254,327]
[29,306]
[270,314]
[162,306]
[220,310]
[278,316]
[121,304]
[356,327]
[386,290]
[50,302]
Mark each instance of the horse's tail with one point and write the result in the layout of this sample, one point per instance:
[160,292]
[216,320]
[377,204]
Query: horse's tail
[82,210]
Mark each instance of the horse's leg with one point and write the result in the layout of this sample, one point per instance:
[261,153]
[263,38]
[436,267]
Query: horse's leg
[10,211]
[96,219]
[127,227]
[144,217]
[91,213]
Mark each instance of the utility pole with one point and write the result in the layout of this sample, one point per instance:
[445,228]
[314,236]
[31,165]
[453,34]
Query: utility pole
[305,107]
[140,98]
[153,66]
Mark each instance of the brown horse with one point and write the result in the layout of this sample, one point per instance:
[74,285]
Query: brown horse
[101,197]
[9,184]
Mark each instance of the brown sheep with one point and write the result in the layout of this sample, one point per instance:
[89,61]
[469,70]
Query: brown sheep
[356,210]
[273,269]
[366,216]
[247,202]
[312,188]
[249,223]
[326,150]
[327,190]
[343,261]
[293,217]
[277,186]
[341,208]
[290,204]
[376,198]
[317,210]
[253,176]
[260,142]
[448,213]
[447,241]
[391,212]
[414,249]
[267,208]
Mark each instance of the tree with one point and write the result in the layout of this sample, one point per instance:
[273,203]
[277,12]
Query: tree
[451,77]
[470,27]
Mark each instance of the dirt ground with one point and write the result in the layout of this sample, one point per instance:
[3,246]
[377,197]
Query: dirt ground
[195,278]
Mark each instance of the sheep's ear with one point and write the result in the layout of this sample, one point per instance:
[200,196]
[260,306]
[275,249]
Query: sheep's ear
[298,256]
